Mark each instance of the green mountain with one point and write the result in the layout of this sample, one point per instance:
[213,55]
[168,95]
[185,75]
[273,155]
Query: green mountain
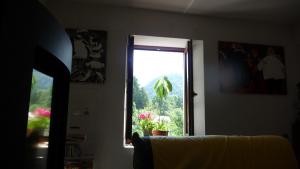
[43,81]
[177,83]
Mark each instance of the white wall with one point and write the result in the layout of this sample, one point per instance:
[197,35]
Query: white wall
[225,113]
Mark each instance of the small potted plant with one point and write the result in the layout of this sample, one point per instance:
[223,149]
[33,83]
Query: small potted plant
[161,126]
[146,123]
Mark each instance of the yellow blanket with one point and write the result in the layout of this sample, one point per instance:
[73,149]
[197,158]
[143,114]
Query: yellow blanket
[223,152]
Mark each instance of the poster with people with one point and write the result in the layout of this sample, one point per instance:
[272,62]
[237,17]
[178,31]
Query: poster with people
[89,55]
[251,68]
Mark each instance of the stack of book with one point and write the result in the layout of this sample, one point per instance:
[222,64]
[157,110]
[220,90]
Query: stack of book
[72,148]
[75,138]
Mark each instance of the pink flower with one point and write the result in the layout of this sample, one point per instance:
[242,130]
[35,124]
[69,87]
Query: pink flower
[141,116]
[145,115]
[42,112]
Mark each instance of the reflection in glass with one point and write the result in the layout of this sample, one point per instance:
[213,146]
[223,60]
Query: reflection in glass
[39,116]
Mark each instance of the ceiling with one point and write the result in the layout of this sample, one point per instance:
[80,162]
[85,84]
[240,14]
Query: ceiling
[278,11]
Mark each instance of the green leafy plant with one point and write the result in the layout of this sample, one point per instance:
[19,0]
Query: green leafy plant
[162,89]
[160,126]
[162,123]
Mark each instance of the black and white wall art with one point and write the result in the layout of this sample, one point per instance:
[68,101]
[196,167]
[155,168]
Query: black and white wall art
[89,55]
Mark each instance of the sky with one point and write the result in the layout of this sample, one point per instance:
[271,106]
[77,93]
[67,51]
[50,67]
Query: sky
[148,65]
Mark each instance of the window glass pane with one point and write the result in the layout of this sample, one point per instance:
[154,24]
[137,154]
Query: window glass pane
[167,112]
[39,120]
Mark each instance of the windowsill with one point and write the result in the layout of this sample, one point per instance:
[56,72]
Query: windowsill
[128,146]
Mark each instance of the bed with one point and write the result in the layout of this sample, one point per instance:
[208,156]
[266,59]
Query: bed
[213,152]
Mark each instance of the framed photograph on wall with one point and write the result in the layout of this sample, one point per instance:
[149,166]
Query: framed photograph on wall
[251,68]
[89,55]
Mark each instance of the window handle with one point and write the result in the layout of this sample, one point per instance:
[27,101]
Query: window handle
[194,94]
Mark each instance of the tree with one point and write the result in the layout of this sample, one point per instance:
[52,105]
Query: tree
[140,97]
[176,126]
[135,126]
[39,97]
[162,106]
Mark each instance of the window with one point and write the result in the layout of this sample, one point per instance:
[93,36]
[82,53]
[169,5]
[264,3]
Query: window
[150,59]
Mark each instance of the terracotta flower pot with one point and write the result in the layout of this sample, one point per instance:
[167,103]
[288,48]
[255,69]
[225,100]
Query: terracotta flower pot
[159,133]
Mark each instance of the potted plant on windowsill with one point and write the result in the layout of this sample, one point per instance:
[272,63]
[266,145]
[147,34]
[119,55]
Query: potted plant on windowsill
[160,129]
[162,89]
[146,123]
